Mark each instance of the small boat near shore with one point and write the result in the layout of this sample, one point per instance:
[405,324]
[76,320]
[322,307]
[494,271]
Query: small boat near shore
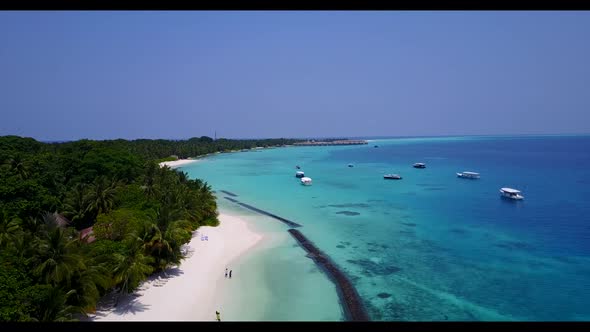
[299,174]
[419,165]
[392,177]
[468,175]
[511,193]
[306,181]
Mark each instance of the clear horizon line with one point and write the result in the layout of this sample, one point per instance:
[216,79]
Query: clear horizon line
[314,137]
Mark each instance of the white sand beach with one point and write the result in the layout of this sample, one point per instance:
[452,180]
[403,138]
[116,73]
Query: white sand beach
[177,163]
[190,292]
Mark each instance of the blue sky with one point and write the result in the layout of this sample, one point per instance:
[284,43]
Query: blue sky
[102,75]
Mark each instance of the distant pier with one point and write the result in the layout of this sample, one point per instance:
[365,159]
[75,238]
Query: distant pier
[337,142]
[353,305]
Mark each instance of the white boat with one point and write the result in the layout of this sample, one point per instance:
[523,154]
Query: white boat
[511,193]
[468,175]
[306,181]
[392,177]
[299,174]
[419,165]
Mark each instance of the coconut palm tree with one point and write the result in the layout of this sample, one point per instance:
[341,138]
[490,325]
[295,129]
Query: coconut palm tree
[148,234]
[207,200]
[150,180]
[165,248]
[88,284]
[9,228]
[169,211]
[23,244]
[56,258]
[182,176]
[189,203]
[175,236]
[77,204]
[132,268]
[17,165]
[53,307]
[101,195]
[32,224]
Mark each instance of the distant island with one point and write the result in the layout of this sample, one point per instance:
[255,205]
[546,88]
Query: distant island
[331,142]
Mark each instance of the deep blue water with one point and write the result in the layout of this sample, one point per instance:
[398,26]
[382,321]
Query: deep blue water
[434,246]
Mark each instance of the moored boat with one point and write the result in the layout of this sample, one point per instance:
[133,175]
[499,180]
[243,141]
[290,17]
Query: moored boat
[299,174]
[392,177]
[468,175]
[419,165]
[511,193]
[306,181]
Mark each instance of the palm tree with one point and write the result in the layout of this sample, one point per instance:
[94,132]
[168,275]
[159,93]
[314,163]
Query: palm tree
[9,228]
[168,213]
[132,268]
[189,203]
[17,165]
[163,242]
[174,237]
[165,246]
[24,244]
[32,224]
[207,200]
[182,176]
[56,259]
[147,235]
[54,307]
[77,204]
[150,180]
[87,286]
[102,195]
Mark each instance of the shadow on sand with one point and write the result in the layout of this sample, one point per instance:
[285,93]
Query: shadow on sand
[129,303]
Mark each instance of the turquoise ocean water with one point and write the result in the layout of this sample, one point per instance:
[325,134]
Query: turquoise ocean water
[430,247]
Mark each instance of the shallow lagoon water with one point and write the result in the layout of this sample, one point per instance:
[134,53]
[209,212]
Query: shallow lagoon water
[430,247]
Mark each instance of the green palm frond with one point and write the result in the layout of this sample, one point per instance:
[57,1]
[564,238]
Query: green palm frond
[9,229]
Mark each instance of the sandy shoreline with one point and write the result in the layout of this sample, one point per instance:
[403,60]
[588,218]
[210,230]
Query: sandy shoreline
[191,291]
[177,163]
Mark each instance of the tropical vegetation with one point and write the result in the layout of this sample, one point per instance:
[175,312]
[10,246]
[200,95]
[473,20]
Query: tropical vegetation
[140,214]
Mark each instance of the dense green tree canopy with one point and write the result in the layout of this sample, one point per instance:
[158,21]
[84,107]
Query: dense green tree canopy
[140,214]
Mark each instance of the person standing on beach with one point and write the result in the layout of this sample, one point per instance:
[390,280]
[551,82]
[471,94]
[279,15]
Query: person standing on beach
[226,272]
[217,314]
[230,273]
